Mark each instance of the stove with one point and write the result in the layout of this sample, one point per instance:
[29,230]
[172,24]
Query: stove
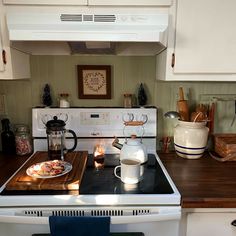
[150,206]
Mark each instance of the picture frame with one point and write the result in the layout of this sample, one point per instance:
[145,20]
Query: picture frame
[94,81]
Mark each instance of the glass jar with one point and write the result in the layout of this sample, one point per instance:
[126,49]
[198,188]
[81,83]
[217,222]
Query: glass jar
[127,100]
[64,100]
[23,140]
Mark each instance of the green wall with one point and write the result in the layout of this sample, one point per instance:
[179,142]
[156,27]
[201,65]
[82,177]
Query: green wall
[60,72]
[127,74]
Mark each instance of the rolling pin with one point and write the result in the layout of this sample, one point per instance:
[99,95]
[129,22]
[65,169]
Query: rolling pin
[183,106]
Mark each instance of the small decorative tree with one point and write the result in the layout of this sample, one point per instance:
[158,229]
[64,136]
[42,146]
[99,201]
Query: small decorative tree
[142,97]
[47,99]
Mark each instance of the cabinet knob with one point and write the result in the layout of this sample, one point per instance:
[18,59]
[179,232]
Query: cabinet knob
[173,60]
[4,57]
[233,223]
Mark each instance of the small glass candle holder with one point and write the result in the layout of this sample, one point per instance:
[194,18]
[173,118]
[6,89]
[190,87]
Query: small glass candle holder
[98,157]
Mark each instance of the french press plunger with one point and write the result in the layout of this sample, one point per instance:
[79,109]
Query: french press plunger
[56,131]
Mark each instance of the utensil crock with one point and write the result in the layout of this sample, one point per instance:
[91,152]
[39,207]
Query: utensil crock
[190,139]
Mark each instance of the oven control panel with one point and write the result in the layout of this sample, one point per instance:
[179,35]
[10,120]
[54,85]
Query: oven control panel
[98,122]
[95,118]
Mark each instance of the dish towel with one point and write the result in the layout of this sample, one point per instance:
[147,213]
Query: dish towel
[79,226]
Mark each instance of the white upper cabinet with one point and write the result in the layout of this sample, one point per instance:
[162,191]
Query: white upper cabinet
[130,2]
[46,2]
[91,2]
[14,64]
[202,42]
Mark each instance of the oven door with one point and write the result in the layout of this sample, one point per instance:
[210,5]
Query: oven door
[151,221]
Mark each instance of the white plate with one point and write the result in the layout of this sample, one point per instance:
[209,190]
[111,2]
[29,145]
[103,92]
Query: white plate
[32,170]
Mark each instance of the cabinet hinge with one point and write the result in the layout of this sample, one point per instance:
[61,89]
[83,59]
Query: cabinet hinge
[4,57]
[173,60]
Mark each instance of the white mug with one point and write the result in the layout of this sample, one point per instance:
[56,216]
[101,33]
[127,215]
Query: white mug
[130,171]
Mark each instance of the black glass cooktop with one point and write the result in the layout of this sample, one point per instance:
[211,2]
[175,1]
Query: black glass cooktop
[104,181]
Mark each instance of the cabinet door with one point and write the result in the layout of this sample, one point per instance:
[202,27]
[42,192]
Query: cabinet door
[16,65]
[205,224]
[131,2]
[205,37]
[46,2]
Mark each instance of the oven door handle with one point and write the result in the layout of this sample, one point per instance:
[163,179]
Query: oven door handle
[114,219]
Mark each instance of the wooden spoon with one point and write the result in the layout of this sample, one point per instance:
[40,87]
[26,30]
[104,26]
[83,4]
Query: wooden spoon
[183,106]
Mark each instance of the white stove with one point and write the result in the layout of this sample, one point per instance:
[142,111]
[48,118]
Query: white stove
[151,207]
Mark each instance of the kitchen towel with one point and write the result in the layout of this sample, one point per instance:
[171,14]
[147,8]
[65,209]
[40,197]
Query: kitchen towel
[79,226]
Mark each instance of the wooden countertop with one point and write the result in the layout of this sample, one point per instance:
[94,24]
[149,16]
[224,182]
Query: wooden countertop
[9,164]
[203,182]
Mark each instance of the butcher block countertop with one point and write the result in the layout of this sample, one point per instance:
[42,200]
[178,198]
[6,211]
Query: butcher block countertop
[203,182]
[9,164]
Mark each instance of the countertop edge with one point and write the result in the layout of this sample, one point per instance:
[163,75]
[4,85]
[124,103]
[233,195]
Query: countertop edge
[187,202]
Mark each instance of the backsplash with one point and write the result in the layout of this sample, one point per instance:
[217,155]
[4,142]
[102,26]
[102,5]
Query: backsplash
[60,72]
[128,72]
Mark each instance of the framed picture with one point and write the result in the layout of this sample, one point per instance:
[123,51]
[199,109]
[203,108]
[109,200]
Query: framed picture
[94,81]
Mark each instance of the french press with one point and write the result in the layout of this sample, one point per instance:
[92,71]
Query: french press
[56,132]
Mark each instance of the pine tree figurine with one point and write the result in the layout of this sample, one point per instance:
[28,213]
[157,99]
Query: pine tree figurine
[47,100]
[142,97]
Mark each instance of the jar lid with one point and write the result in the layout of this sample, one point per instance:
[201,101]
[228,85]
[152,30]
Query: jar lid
[55,124]
[64,94]
[127,95]
[22,128]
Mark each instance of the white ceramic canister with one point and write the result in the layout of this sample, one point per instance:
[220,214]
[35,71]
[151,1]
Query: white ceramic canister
[190,139]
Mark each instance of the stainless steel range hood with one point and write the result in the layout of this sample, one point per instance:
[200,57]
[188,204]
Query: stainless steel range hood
[92,31]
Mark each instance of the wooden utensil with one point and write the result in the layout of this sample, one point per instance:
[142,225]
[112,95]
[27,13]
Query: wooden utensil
[211,118]
[183,106]
[200,114]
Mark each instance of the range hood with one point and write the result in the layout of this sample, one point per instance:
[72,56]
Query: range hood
[90,32]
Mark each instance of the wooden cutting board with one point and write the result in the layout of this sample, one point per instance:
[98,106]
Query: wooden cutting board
[69,181]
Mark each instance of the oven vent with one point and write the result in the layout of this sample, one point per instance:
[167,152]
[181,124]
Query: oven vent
[87,18]
[141,212]
[85,212]
[68,213]
[107,213]
[71,17]
[33,213]
[104,18]
[43,213]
